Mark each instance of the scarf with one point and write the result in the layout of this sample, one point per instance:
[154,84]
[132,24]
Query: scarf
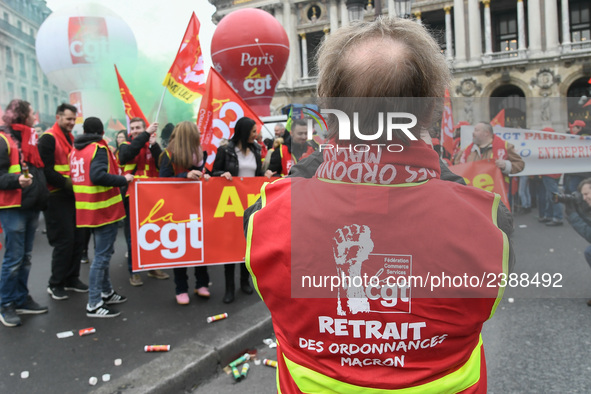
[30,153]
[60,135]
[414,163]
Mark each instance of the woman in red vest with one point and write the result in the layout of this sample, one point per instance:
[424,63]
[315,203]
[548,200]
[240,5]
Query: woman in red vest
[24,194]
[184,158]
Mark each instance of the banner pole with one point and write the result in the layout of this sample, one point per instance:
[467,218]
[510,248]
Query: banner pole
[160,106]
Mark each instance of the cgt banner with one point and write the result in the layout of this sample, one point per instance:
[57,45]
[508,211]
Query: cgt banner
[543,152]
[484,175]
[179,223]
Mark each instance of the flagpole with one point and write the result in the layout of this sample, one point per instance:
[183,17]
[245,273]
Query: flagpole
[160,106]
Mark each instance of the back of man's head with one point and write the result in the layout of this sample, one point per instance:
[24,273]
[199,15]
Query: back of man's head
[385,58]
[93,125]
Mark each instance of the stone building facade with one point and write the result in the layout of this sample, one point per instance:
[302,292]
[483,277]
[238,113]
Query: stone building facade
[530,57]
[20,74]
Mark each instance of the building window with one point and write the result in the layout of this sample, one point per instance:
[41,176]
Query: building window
[24,93]
[6,18]
[19,24]
[55,102]
[580,21]
[10,88]
[36,100]
[23,69]
[313,41]
[46,104]
[32,32]
[45,81]
[505,34]
[34,73]
[9,67]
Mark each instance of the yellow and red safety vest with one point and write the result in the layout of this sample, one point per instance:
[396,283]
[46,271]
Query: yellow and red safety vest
[95,205]
[288,159]
[11,198]
[62,151]
[406,340]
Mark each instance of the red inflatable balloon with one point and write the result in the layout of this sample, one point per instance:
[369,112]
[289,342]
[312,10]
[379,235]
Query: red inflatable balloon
[250,49]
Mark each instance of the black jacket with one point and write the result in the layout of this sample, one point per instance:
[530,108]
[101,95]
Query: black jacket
[128,152]
[99,168]
[227,160]
[33,197]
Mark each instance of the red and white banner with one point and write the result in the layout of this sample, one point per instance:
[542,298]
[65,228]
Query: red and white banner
[186,78]
[179,223]
[485,175]
[76,101]
[87,38]
[447,125]
[543,152]
[132,109]
[220,108]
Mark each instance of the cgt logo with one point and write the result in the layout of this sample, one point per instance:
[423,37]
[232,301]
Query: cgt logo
[256,83]
[169,235]
[387,122]
[88,39]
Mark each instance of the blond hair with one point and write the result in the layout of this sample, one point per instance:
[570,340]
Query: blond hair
[185,144]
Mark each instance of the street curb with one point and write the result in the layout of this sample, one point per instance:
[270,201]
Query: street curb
[197,360]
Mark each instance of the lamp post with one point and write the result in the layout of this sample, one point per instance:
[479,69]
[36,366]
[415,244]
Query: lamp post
[402,8]
[356,9]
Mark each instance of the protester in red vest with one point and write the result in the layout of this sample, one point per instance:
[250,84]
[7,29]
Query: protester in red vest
[23,195]
[377,214]
[67,240]
[138,157]
[184,158]
[96,181]
[288,154]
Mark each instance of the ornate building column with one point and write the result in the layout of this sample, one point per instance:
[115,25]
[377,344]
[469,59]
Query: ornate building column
[344,14]
[475,35]
[334,15]
[459,25]
[448,33]
[551,21]
[520,25]
[304,47]
[487,28]
[289,24]
[534,29]
[565,23]
[391,8]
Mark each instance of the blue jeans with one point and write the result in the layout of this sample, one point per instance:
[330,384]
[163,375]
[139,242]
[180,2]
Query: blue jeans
[104,239]
[19,228]
[553,211]
[588,255]
[524,194]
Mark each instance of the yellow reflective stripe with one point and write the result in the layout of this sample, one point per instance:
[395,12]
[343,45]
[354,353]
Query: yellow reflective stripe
[505,262]
[100,225]
[99,204]
[91,189]
[7,143]
[62,167]
[14,169]
[249,242]
[309,381]
[129,167]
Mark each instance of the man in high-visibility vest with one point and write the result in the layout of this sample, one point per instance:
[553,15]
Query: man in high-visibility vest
[139,157]
[96,181]
[358,275]
[67,240]
[289,153]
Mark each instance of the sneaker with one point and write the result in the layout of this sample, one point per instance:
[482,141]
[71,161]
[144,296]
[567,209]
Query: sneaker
[544,220]
[158,274]
[84,259]
[30,307]
[113,298]
[77,286]
[57,293]
[182,299]
[8,316]
[554,223]
[203,292]
[135,280]
[102,311]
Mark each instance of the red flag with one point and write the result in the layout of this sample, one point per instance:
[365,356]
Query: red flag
[220,108]
[186,77]
[499,120]
[447,124]
[132,110]
[588,102]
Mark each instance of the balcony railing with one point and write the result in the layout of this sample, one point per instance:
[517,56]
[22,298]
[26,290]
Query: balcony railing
[580,46]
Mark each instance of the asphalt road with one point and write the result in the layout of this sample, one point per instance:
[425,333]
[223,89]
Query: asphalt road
[538,343]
